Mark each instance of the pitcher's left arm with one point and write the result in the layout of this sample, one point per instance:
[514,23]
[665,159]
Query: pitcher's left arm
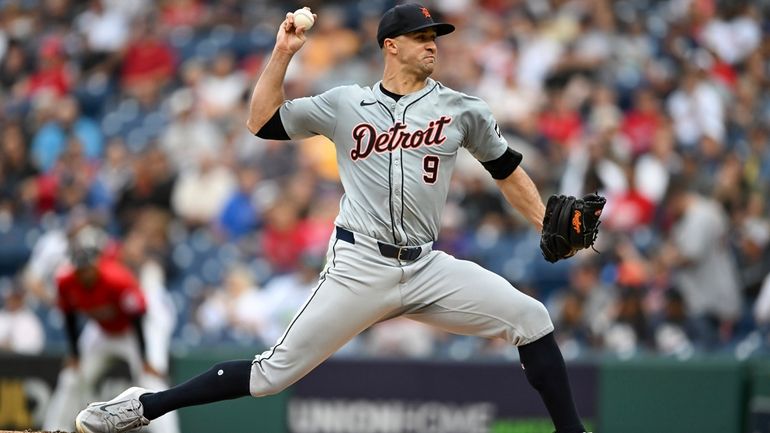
[520,191]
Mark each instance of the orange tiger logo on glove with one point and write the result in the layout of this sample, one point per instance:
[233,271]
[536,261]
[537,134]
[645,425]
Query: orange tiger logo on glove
[576,221]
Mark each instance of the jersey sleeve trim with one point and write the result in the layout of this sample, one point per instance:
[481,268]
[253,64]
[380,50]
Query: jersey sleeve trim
[503,166]
[273,129]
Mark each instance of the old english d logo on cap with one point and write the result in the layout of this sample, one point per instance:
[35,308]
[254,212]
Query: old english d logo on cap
[407,18]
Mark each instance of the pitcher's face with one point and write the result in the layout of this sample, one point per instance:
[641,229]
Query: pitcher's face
[418,50]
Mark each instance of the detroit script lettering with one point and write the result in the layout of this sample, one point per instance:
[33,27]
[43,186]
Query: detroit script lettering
[367,140]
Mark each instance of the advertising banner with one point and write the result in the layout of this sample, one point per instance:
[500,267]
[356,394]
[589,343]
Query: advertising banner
[427,397]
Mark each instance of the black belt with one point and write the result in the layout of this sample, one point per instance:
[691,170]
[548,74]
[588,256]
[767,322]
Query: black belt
[387,250]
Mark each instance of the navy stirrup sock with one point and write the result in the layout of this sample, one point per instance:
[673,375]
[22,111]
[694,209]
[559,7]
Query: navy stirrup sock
[545,370]
[224,381]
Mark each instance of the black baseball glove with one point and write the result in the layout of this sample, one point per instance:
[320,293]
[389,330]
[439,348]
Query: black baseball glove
[570,225]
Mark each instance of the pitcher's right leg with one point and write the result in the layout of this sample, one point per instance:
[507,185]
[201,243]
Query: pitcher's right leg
[337,311]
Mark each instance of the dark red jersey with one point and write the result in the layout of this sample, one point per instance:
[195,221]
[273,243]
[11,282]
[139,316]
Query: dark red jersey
[113,300]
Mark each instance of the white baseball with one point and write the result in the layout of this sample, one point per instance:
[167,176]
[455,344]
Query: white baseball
[303,18]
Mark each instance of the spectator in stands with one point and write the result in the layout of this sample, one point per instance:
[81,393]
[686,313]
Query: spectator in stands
[332,43]
[151,186]
[236,310]
[241,215]
[16,170]
[574,333]
[643,120]
[131,10]
[752,246]
[628,331]
[284,236]
[598,296]
[15,66]
[630,210]
[115,170]
[148,57]
[200,193]
[560,121]
[400,338]
[654,168]
[479,201]
[51,139]
[274,159]
[703,267]
[285,294]
[53,77]
[105,32]
[190,135]
[222,89]
[734,32]
[695,107]
[140,118]
[182,13]
[21,331]
[72,182]
[674,332]
[591,167]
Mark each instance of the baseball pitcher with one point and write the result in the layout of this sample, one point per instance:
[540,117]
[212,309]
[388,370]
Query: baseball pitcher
[396,143]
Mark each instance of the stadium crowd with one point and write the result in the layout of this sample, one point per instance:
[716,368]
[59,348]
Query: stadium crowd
[129,115]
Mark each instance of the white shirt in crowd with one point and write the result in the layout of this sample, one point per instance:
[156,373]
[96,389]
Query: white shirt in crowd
[21,332]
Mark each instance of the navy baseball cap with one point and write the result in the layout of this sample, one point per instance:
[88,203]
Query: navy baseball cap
[406,18]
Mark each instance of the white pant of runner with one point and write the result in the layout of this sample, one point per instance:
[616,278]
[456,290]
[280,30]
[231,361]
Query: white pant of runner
[75,386]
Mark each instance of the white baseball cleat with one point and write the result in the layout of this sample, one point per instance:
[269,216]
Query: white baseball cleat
[123,413]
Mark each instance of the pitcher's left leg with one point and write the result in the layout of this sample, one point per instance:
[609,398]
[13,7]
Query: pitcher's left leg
[463,298]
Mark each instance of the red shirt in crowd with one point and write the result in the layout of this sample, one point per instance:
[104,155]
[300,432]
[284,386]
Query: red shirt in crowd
[186,13]
[283,246]
[147,59]
[630,211]
[640,127]
[57,79]
[113,300]
[561,127]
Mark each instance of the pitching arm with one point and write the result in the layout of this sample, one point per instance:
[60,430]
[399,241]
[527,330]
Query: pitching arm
[268,93]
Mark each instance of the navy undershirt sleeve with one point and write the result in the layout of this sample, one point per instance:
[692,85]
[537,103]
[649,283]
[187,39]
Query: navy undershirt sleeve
[273,129]
[503,166]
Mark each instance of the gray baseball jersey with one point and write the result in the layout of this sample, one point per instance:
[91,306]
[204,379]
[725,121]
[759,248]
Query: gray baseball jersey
[396,160]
